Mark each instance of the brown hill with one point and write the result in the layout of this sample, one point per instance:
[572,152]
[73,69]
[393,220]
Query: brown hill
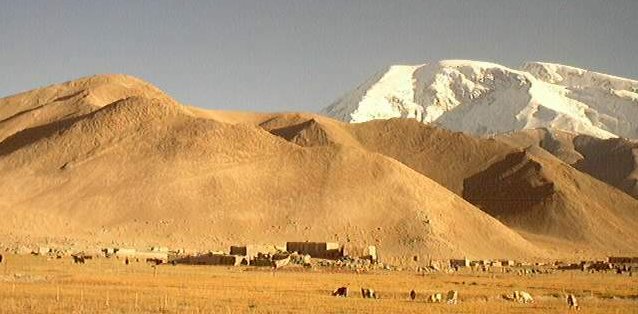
[614,161]
[144,170]
[530,190]
[69,100]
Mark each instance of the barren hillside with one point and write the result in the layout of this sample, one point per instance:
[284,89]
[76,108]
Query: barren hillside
[143,169]
[614,161]
[69,100]
[527,189]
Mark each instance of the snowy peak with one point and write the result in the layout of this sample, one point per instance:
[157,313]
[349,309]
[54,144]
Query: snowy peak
[446,85]
[486,98]
[387,94]
[575,77]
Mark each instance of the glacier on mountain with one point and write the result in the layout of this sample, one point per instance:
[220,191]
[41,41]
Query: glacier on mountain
[484,98]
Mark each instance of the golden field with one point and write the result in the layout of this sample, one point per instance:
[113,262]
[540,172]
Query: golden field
[33,284]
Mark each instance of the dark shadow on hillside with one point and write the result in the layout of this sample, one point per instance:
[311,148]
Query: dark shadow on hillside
[31,135]
[512,186]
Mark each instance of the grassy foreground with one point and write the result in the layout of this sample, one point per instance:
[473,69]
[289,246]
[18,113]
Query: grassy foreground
[31,284]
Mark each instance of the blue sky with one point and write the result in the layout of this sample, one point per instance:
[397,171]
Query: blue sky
[298,55]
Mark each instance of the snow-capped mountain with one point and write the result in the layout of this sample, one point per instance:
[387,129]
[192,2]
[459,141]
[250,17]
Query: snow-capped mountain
[485,98]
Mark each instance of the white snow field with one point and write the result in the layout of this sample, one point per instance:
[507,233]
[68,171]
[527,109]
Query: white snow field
[485,98]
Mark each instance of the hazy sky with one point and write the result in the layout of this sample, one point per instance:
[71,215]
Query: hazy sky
[298,55]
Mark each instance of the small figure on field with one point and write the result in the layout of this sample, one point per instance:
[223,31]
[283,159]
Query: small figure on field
[452,297]
[368,294]
[340,292]
[572,302]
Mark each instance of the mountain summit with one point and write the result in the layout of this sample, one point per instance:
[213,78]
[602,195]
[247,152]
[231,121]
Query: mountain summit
[484,98]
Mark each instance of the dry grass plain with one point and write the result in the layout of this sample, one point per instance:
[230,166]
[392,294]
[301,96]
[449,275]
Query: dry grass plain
[31,284]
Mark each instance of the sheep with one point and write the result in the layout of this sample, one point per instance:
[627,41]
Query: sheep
[436,298]
[340,292]
[572,302]
[452,297]
[368,294]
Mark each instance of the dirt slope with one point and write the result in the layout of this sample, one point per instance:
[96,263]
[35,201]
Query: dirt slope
[143,170]
[614,161]
[532,191]
[528,189]
[69,100]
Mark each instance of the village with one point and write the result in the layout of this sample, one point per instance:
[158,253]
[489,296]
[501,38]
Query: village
[326,254]
[331,257]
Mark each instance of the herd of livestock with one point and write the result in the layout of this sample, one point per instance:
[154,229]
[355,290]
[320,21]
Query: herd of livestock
[452,296]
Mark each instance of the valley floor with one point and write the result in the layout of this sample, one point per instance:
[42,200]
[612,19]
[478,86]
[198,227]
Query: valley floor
[33,284]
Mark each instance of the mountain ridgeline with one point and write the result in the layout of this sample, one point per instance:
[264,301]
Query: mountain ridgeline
[112,159]
[483,98]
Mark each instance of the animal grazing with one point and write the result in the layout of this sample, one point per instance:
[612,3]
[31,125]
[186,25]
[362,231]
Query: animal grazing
[436,298]
[572,302]
[412,295]
[523,297]
[452,297]
[155,261]
[340,292]
[81,258]
[368,294]
[78,259]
